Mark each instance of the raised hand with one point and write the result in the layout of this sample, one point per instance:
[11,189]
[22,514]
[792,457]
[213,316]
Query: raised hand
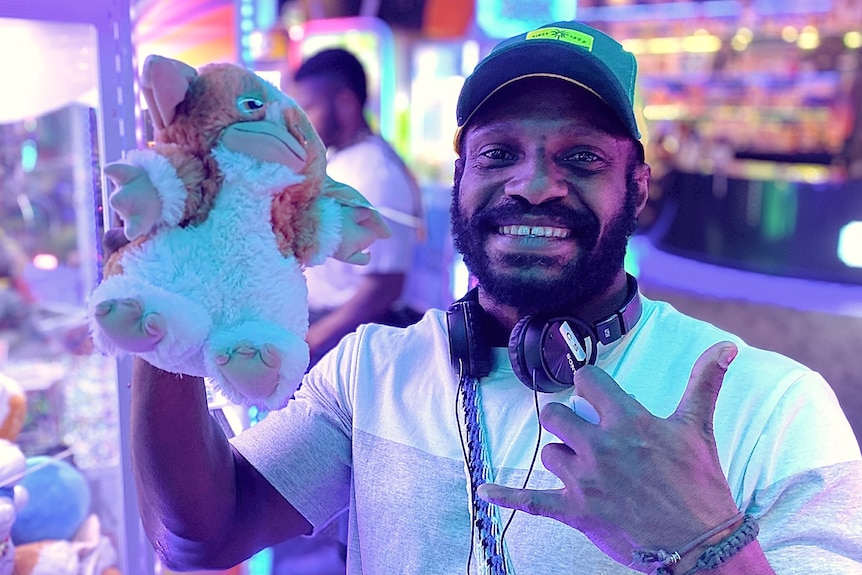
[634,481]
[135,199]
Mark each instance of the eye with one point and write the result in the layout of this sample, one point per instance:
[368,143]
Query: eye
[582,157]
[497,154]
[249,104]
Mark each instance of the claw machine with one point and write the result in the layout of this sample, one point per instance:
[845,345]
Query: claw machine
[67,107]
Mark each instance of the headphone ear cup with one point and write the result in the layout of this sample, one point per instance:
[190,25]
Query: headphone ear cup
[543,353]
[516,352]
[469,351]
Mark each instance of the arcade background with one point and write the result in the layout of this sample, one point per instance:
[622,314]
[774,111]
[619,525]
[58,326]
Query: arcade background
[750,110]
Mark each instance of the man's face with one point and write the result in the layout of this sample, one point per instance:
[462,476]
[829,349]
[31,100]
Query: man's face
[547,197]
[317,97]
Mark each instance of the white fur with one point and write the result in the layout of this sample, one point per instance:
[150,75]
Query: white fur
[164,177]
[329,237]
[227,281]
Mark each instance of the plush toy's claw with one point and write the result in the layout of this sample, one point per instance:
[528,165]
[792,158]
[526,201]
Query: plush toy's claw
[135,198]
[251,371]
[361,223]
[125,322]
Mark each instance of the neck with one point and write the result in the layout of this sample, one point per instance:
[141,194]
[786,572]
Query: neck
[353,137]
[591,311]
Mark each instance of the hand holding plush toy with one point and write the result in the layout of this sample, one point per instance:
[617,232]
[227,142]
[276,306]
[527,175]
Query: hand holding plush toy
[223,213]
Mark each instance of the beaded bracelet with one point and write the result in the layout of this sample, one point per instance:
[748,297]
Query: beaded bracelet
[662,561]
[724,550]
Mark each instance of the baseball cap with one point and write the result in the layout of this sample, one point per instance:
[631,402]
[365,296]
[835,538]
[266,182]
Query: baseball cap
[570,51]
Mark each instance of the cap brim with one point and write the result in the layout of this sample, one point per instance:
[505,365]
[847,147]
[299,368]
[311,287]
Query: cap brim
[539,58]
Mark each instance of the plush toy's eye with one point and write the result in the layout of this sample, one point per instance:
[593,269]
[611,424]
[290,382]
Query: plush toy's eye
[249,104]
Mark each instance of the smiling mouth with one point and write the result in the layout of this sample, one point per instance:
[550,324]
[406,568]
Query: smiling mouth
[534,231]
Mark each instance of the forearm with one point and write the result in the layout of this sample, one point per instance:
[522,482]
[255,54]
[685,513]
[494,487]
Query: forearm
[183,465]
[202,504]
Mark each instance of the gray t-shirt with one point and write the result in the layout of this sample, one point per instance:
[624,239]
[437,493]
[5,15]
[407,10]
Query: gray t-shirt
[374,428]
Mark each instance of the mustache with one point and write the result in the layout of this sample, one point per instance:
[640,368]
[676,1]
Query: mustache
[582,224]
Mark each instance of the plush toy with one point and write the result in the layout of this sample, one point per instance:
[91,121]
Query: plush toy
[13,408]
[46,527]
[223,214]
[88,552]
[13,497]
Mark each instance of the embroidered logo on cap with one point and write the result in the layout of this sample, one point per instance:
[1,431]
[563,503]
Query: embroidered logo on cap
[564,35]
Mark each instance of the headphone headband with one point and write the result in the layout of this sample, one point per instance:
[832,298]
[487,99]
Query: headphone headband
[622,321]
[545,350]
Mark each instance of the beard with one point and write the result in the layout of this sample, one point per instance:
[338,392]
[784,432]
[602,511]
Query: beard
[578,281]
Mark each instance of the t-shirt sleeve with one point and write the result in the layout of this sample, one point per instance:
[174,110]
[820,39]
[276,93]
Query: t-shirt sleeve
[304,449]
[808,474]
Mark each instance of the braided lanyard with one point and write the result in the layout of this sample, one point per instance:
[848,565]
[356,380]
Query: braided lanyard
[486,517]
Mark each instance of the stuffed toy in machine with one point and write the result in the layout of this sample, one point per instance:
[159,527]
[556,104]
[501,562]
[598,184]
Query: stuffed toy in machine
[223,214]
[55,532]
[12,498]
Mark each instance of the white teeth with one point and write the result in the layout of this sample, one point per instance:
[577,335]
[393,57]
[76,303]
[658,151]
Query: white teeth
[536,231]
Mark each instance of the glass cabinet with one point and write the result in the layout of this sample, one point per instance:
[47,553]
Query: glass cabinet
[65,110]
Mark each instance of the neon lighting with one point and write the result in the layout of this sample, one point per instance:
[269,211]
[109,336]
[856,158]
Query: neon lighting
[698,10]
[850,244]
[504,18]
[196,32]
[29,155]
[45,261]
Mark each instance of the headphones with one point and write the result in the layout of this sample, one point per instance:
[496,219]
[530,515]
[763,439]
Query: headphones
[545,349]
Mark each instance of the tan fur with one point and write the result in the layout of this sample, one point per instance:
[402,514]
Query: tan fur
[208,108]
[293,220]
[14,421]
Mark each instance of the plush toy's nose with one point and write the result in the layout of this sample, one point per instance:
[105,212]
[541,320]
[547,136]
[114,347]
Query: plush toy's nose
[265,141]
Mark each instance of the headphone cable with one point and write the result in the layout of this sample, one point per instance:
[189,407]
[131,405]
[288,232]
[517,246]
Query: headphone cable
[535,454]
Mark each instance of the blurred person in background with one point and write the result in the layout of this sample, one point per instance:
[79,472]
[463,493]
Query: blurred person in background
[331,86]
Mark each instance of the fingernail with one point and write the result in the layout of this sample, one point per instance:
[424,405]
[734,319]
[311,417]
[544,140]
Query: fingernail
[727,355]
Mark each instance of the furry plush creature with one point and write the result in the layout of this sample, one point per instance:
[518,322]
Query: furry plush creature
[12,498]
[223,214]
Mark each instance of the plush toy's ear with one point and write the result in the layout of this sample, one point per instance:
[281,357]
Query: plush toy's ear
[164,83]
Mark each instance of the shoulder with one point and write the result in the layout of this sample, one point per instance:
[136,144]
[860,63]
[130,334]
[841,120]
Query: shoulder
[669,333]
[374,347]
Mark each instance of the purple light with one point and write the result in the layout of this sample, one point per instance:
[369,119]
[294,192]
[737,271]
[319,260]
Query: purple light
[661,268]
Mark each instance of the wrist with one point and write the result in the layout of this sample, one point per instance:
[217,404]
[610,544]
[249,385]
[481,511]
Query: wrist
[705,552]
[689,559]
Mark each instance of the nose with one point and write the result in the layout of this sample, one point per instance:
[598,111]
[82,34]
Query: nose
[537,181]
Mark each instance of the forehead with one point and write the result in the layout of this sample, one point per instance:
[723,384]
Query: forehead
[546,98]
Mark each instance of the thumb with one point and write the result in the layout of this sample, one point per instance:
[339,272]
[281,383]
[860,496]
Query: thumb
[704,383]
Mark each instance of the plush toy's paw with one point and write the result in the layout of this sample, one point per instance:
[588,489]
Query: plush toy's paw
[129,326]
[361,223]
[135,198]
[250,370]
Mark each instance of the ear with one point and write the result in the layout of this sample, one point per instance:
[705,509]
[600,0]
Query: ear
[642,179]
[164,83]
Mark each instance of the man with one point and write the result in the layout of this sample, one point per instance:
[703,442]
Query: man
[664,456]
[331,87]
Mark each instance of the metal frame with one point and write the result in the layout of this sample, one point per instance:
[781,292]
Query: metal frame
[117,132]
